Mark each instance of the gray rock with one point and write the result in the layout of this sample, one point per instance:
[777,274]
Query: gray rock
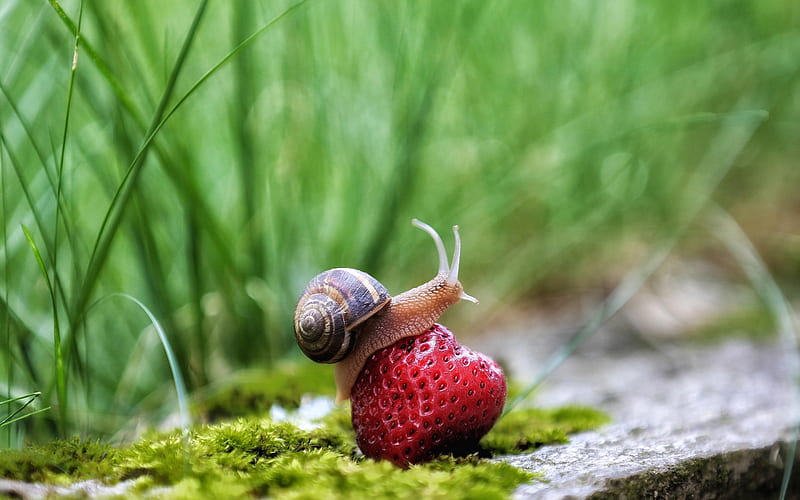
[91,489]
[688,420]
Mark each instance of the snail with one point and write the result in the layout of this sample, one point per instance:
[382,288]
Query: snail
[345,315]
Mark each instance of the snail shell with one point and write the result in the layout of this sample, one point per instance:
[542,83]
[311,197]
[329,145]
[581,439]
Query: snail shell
[333,304]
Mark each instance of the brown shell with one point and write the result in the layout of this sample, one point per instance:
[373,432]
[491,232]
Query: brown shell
[332,305]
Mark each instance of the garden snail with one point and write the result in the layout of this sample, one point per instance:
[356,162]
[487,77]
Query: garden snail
[345,315]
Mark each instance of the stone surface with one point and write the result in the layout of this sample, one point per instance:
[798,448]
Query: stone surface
[689,420]
[91,489]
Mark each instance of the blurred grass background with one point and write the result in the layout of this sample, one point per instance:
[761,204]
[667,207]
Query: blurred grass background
[565,138]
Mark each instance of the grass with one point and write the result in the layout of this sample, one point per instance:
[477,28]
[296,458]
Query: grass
[208,159]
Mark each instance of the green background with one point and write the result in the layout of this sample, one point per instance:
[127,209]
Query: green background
[567,139]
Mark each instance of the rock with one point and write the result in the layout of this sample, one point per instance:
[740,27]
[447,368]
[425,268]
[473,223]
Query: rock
[84,489]
[689,421]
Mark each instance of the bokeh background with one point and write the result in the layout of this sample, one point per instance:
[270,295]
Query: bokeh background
[208,160]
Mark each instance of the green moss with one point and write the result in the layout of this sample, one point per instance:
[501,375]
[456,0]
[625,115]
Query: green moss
[754,323]
[324,473]
[58,461]
[446,479]
[526,429]
[256,457]
[752,473]
[254,392]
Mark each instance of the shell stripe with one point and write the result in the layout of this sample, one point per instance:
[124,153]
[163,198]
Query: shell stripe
[341,290]
[339,295]
[367,282]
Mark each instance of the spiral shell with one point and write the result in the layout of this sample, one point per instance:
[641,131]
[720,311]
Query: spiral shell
[331,306]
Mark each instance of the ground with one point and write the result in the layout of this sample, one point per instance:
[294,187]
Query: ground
[694,412]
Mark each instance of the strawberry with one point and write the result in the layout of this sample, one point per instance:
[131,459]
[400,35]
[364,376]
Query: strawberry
[424,396]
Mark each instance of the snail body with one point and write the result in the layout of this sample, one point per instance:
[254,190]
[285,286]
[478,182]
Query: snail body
[345,315]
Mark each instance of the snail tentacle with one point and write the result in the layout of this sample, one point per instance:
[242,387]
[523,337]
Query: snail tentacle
[443,267]
[452,276]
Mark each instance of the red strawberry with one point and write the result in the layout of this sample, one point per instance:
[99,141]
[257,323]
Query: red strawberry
[424,396]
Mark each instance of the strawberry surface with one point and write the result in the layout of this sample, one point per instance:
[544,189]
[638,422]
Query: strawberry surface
[424,396]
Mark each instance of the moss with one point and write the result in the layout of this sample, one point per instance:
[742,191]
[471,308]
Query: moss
[754,323]
[738,474]
[58,461]
[255,457]
[254,392]
[325,474]
[526,429]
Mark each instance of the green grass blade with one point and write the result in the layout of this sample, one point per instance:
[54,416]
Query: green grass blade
[108,76]
[180,386]
[7,315]
[27,129]
[60,366]
[60,176]
[627,288]
[19,339]
[243,67]
[724,226]
[32,395]
[6,423]
[12,417]
[244,43]
[15,165]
